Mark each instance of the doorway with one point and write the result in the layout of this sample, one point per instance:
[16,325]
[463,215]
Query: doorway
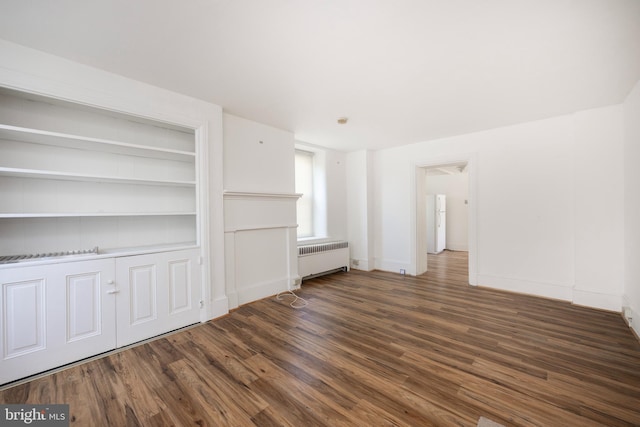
[463,168]
[447,192]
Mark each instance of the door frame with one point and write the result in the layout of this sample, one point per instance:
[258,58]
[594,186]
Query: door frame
[418,217]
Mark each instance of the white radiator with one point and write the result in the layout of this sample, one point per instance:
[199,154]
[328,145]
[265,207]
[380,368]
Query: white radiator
[321,258]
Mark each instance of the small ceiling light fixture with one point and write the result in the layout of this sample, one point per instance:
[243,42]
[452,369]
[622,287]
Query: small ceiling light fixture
[342,120]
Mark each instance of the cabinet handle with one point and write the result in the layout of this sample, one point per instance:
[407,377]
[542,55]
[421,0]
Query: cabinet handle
[113,291]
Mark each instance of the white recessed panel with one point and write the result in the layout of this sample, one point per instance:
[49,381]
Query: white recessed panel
[143,294]
[83,306]
[179,286]
[24,317]
[261,256]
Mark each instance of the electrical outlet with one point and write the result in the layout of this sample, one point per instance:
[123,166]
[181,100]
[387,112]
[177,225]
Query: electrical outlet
[627,315]
[403,271]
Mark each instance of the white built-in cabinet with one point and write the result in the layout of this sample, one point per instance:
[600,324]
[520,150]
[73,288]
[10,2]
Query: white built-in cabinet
[54,314]
[99,231]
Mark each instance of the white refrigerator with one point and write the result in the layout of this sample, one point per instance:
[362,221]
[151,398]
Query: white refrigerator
[436,223]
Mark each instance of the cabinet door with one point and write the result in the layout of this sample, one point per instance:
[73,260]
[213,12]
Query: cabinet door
[52,315]
[157,293]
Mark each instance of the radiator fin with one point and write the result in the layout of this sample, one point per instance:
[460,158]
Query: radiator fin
[321,247]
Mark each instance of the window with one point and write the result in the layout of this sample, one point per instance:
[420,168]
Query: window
[304,185]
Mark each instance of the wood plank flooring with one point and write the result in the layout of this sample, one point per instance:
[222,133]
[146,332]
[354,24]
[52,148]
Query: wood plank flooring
[369,349]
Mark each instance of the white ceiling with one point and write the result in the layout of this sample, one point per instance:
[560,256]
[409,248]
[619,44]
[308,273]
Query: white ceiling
[403,71]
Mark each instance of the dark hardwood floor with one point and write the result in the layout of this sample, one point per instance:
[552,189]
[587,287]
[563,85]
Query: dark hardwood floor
[369,349]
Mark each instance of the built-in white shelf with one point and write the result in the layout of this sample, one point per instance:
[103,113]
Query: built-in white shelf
[37,136]
[71,176]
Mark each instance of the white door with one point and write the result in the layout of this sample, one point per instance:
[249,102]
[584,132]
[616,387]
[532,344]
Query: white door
[157,293]
[55,314]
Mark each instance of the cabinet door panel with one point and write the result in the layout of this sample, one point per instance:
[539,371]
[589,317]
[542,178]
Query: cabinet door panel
[23,323]
[84,309]
[180,286]
[180,300]
[55,314]
[158,293]
[142,294]
[87,324]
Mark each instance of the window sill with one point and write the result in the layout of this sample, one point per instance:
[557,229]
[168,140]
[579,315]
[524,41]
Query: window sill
[314,239]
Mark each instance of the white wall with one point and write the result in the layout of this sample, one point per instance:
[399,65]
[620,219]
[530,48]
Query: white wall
[336,195]
[359,187]
[456,188]
[260,210]
[632,205]
[599,207]
[529,185]
[257,158]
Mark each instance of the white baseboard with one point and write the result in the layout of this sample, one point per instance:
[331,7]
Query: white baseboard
[458,246]
[547,290]
[296,283]
[554,291]
[631,316]
[218,308]
[597,300]
[635,322]
[233,300]
[256,291]
[393,266]
[361,264]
